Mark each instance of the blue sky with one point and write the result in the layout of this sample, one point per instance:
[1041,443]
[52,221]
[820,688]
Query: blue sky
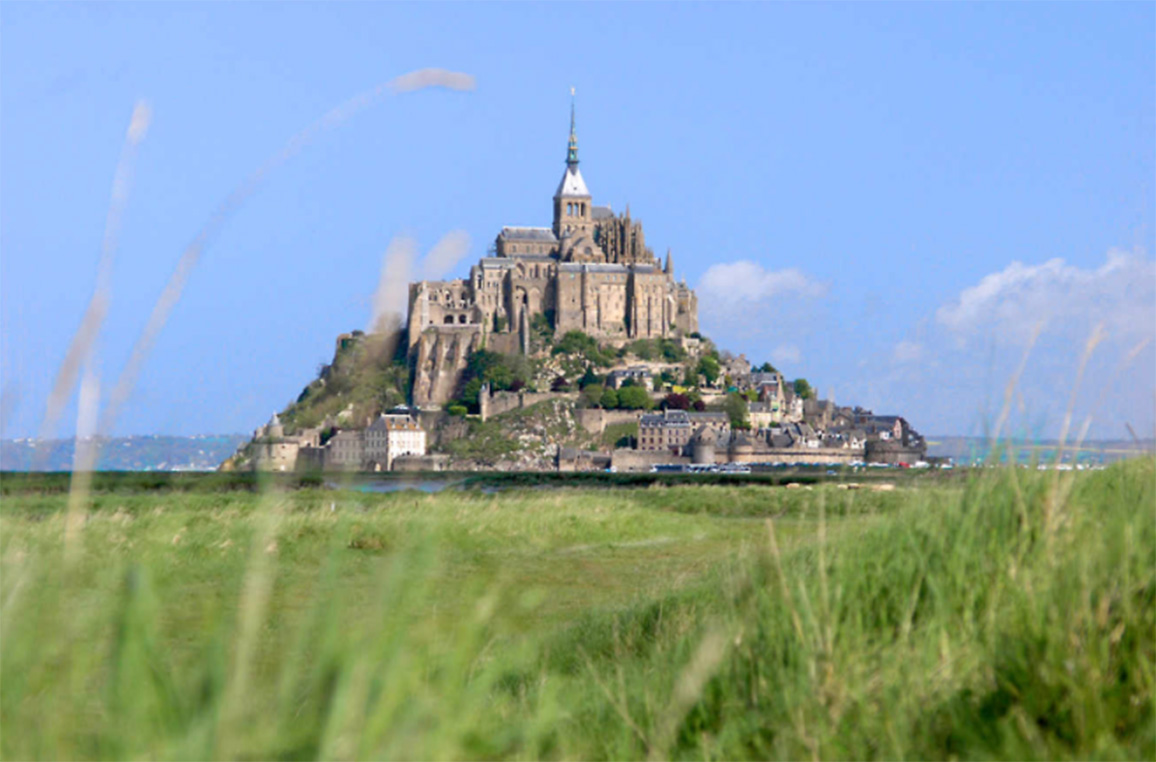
[879,197]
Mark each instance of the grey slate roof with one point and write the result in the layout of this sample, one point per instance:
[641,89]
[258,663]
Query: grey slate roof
[532,257]
[594,268]
[675,418]
[545,235]
[711,415]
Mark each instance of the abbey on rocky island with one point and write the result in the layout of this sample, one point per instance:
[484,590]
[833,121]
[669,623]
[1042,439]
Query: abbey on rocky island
[591,271]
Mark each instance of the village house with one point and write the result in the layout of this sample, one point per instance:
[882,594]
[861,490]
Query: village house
[391,436]
[737,369]
[640,374]
[762,415]
[345,450]
[669,430]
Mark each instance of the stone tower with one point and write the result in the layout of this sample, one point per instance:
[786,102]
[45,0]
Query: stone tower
[572,209]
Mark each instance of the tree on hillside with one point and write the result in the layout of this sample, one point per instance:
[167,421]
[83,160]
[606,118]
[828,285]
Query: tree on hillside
[803,389]
[709,368]
[592,395]
[609,399]
[737,410]
[589,378]
[470,393]
[672,350]
[634,398]
[676,402]
[766,368]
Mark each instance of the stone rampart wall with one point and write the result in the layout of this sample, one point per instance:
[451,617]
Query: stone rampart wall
[432,462]
[595,420]
[833,455]
[642,460]
[892,452]
[504,402]
[310,459]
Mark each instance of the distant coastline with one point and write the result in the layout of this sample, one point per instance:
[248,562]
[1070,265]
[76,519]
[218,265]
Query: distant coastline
[134,453]
[967,450]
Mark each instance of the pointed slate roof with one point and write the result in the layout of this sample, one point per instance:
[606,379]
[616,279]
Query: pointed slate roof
[572,184]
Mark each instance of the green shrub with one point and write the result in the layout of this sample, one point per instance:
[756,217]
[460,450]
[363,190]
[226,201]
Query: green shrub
[634,398]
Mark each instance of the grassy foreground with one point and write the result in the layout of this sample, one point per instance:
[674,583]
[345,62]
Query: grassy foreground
[1006,615]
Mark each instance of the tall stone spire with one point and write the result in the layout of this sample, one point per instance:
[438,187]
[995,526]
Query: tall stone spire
[669,264]
[572,149]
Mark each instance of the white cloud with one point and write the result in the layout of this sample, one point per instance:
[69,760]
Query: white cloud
[907,351]
[1010,303]
[749,281]
[786,354]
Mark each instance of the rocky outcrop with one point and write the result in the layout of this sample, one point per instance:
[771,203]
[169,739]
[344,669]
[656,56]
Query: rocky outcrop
[439,359]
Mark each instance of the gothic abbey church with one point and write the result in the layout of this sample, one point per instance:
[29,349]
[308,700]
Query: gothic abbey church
[591,271]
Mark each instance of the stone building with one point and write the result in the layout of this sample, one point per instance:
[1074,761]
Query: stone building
[345,450]
[639,374]
[271,449]
[392,436]
[590,271]
[671,430]
[668,430]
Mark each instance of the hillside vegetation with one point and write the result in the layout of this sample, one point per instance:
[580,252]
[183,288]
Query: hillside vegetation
[1006,614]
[368,374]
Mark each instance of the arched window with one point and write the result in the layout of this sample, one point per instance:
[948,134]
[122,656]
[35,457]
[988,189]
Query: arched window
[462,319]
[449,320]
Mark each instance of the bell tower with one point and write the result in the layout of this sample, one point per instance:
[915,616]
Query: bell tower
[572,209]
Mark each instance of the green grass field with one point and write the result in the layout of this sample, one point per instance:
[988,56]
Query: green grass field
[1008,614]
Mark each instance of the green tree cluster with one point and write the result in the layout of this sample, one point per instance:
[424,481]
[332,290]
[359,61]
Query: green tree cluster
[634,398]
[626,398]
[709,368]
[737,410]
[501,372]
